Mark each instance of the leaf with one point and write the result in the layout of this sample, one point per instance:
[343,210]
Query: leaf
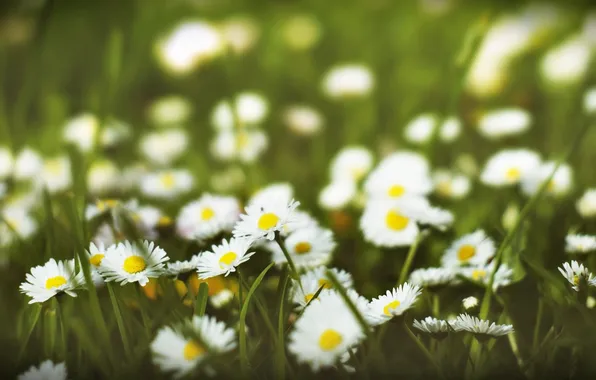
[33,319]
[280,351]
[202,296]
[242,322]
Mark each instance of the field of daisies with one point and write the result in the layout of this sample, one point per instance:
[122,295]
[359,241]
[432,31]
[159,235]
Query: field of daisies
[297,190]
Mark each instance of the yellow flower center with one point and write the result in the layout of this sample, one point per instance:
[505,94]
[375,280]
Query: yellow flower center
[326,284]
[54,166]
[478,274]
[167,180]
[308,297]
[164,221]
[227,259]
[390,306]
[466,252]
[329,340]
[444,188]
[267,221]
[95,260]
[207,213]
[192,350]
[396,191]
[242,139]
[513,174]
[357,173]
[395,221]
[576,280]
[302,247]
[12,224]
[54,282]
[134,264]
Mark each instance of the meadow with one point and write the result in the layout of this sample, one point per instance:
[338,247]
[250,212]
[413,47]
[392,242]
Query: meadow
[297,189]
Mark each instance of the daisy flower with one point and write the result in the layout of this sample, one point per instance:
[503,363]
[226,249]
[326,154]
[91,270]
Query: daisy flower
[240,33]
[51,279]
[224,258]
[56,174]
[481,329]
[243,145]
[437,328]
[126,262]
[81,131]
[207,217]
[469,302]
[181,268]
[471,249]
[337,195]
[559,185]
[352,163]
[103,177]
[300,220]
[6,162]
[281,190]
[399,176]
[165,146]
[314,279]
[433,278]
[47,370]
[167,184]
[16,223]
[347,81]
[394,303]
[28,164]
[303,120]
[250,109]
[508,167]
[169,110]
[575,243]
[481,274]
[451,185]
[182,352]
[95,254]
[504,122]
[576,274]
[568,62]
[326,330]
[420,130]
[263,219]
[308,247]
[384,224]
[586,205]
[450,129]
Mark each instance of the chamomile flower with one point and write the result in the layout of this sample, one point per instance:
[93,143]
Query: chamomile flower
[240,33]
[28,164]
[283,191]
[224,258]
[586,205]
[102,206]
[243,145]
[47,370]
[308,247]
[397,177]
[326,330]
[475,249]
[450,129]
[95,254]
[384,224]
[185,347]
[433,278]
[337,195]
[177,268]
[347,81]
[81,131]
[504,122]
[568,62]
[16,224]
[165,146]
[451,185]
[170,110]
[559,185]
[437,328]
[250,109]
[309,283]
[481,274]
[167,184]
[408,161]
[303,120]
[351,163]
[508,167]
[103,176]
[469,302]
[575,243]
[420,130]
[56,174]
[481,329]
[51,279]
[127,262]
[6,162]
[207,217]
[576,274]
[264,219]
[392,304]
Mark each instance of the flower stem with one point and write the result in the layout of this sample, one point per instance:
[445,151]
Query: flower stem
[119,320]
[409,259]
[293,270]
[423,349]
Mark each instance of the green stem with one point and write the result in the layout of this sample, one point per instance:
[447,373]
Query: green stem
[424,350]
[293,270]
[409,259]
[436,305]
[280,351]
[119,320]
[537,324]
[144,317]
[63,335]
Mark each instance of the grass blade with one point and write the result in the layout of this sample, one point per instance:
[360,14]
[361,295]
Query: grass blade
[202,296]
[280,354]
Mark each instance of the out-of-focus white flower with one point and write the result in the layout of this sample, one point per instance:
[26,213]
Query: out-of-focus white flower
[244,145]
[348,80]
[131,175]
[399,175]
[509,166]
[469,302]
[250,109]
[16,224]
[472,249]
[579,244]
[207,217]
[283,191]
[114,132]
[510,216]
[189,45]
[421,128]
[351,163]
[56,174]
[450,129]
[504,122]
[337,194]
[47,371]
[590,100]
[303,120]
[240,33]
[165,146]
[586,205]
[169,110]
[567,63]
[451,185]
[167,184]
[6,162]
[28,164]
[301,32]
[577,275]
[103,176]
[81,131]
[559,185]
